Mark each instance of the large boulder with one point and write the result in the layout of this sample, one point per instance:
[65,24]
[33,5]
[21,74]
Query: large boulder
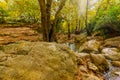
[113,57]
[112,42]
[91,45]
[116,63]
[111,54]
[110,51]
[100,61]
[37,61]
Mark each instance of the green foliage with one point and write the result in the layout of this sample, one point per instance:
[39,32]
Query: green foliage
[107,16]
[26,11]
[110,17]
[58,24]
[3,14]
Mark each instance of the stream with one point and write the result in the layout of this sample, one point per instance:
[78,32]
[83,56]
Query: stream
[112,74]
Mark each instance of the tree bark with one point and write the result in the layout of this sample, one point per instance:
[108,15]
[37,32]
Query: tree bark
[48,9]
[53,38]
[44,20]
[69,31]
[48,26]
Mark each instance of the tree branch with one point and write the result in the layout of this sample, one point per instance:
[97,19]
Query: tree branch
[62,3]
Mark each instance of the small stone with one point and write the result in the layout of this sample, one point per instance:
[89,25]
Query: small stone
[109,51]
[83,69]
[112,42]
[117,73]
[116,63]
[93,78]
[113,57]
[92,66]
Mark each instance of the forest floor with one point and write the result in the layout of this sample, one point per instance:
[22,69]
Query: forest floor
[9,35]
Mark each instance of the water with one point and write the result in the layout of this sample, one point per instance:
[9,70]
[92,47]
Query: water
[110,75]
[74,46]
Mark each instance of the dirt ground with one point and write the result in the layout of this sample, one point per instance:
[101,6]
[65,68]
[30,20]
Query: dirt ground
[9,35]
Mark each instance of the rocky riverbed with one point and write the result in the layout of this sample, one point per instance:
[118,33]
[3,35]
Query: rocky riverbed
[104,54]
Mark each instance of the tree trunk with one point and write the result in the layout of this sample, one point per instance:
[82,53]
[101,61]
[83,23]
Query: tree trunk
[52,33]
[49,23]
[68,30]
[48,27]
[53,27]
[86,20]
[44,25]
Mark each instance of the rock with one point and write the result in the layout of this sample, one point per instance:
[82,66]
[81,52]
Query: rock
[93,78]
[116,63]
[112,42]
[80,61]
[117,73]
[113,57]
[91,45]
[83,58]
[92,66]
[90,77]
[38,61]
[100,61]
[95,62]
[87,68]
[80,38]
[111,54]
[83,69]
[110,51]
[84,76]
[83,55]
